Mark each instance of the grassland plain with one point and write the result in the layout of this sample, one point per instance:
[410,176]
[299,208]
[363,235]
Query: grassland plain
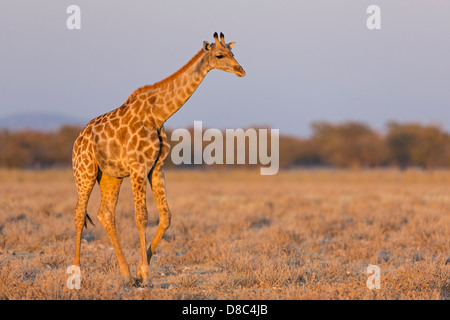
[303,234]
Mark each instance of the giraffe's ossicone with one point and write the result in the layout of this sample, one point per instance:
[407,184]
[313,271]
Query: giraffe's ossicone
[130,142]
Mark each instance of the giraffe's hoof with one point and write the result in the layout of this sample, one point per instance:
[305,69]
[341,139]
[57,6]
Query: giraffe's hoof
[143,275]
[139,282]
[146,283]
[143,271]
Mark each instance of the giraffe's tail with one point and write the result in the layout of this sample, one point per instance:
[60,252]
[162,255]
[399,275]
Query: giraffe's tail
[88,218]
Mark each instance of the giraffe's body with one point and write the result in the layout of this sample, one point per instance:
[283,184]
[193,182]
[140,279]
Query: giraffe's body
[130,141]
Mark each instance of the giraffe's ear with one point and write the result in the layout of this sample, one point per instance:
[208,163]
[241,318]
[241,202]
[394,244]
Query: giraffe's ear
[231,45]
[206,46]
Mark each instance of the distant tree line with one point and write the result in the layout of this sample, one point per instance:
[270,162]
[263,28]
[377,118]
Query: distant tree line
[37,149]
[345,145]
[354,144]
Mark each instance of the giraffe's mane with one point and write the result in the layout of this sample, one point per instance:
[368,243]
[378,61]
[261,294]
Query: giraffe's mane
[166,80]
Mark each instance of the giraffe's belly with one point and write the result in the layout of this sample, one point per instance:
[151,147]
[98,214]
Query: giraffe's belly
[115,171]
[113,166]
[119,159]
[110,156]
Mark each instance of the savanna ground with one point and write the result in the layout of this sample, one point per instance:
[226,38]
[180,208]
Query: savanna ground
[237,235]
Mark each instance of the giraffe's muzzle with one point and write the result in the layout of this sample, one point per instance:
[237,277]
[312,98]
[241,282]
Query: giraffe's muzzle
[239,71]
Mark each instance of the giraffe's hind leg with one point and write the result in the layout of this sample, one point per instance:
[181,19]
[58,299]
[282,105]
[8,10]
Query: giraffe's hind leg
[157,181]
[159,193]
[85,183]
[85,171]
[109,188]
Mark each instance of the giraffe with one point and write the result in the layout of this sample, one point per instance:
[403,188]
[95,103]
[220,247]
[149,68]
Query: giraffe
[130,142]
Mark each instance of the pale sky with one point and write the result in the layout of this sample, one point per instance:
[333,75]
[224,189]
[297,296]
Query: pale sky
[305,60]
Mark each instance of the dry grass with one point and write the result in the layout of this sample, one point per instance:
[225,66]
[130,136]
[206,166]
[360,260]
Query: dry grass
[237,235]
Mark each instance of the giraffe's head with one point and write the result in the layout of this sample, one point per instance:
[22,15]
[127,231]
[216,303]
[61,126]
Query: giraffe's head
[219,56]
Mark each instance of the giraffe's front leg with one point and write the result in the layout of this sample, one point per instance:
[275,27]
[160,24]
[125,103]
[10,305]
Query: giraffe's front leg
[159,193]
[138,185]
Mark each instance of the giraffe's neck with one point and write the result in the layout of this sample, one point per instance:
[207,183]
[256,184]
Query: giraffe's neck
[168,96]
[181,87]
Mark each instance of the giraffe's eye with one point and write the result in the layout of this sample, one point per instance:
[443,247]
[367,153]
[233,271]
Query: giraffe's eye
[219,56]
